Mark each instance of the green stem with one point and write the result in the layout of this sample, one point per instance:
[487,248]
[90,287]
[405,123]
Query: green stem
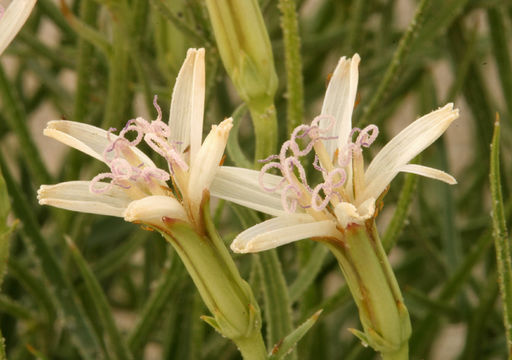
[400,354]
[251,347]
[264,120]
[293,62]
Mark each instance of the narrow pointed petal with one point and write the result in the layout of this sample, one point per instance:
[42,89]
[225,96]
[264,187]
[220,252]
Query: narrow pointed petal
[89,139]
[206,163]
[404,147]
[75,196]
[429,172]
[150,210]
[280,231]
[339,102]
[187,104]
[13,19]
[242,187]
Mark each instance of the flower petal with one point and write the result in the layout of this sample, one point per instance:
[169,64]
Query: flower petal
[339,102]
[404,147]
[206,164]
[89,139]
[151,210]
[13,19]
[75,196]
[282,230]
[429,172]
[187,104]
[242,187]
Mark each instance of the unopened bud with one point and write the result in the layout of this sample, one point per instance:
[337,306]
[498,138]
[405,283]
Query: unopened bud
[244,47]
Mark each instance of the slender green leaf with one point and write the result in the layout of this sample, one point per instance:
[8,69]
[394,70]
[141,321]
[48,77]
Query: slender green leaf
[281,350]
[79,326]
[15,309]
[501,48]
[119,348]
[501,238]
[16,119]
[400,215]
[396,62]
[35,286]
[156,303]
[5,208]
[308,272]
[277,305]
[85,30]
[180,24]
[233,148]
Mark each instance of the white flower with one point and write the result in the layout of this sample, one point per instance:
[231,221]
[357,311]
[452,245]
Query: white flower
[12,19]
[347,193]
[135,188]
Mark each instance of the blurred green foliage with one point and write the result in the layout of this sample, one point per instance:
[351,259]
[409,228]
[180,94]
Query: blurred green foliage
[102,61]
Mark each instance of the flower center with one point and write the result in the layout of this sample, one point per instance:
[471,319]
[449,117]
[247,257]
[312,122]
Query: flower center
[126,168]
[343,174]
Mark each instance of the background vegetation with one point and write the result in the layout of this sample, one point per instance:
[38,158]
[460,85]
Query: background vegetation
[101,62]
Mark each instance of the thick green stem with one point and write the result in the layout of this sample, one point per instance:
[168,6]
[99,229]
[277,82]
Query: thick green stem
[236,314]
[400,354]
[252,347]
[373,285]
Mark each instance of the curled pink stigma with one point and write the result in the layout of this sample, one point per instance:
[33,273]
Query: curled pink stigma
[289,203]
[367,136]
[329,189]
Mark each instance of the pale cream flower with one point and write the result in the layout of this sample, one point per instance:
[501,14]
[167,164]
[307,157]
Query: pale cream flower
[12,19]
[348,192]
[136,189]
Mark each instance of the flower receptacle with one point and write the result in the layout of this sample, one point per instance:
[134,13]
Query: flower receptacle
[383,314]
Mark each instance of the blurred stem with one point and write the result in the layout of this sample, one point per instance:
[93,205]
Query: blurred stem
[501,241]
[400,215]
[293,62]
[88,10]
[356,21]
[397,61]
[118,76]
[16,119]
[500,44]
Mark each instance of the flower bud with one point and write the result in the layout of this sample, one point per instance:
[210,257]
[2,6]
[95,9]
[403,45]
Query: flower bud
[244,47]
